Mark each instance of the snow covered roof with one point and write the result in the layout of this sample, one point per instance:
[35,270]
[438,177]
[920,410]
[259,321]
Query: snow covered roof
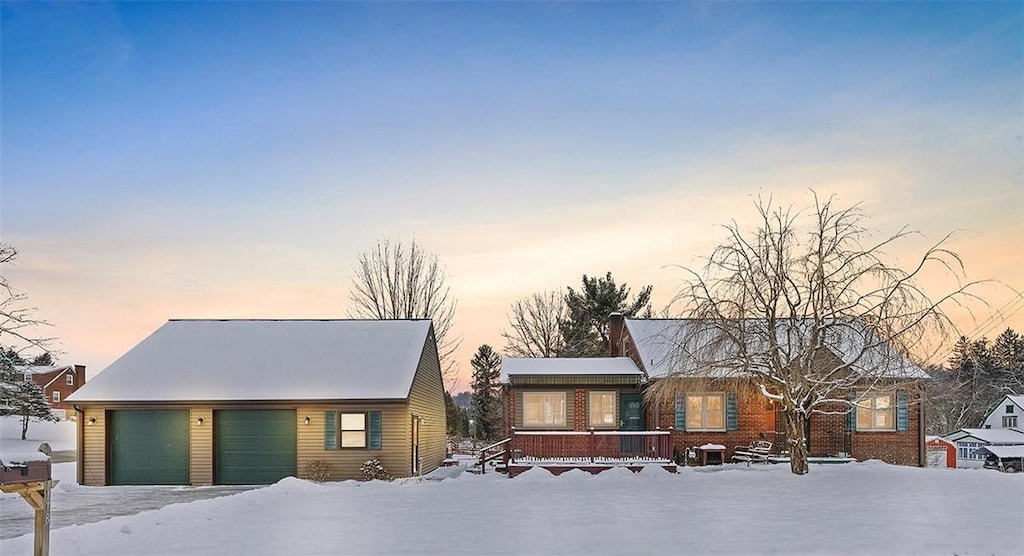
[667,345]
[567,366]
[42,369]
[991,436]
[1005,451]
[198,360]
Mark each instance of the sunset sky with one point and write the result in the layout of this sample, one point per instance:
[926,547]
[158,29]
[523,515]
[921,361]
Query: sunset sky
[230,160]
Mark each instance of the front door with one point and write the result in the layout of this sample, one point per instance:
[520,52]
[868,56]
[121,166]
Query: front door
[415,445]
[631,418]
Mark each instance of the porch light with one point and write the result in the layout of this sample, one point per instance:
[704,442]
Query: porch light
[307,419]
[92,420]
[199,421]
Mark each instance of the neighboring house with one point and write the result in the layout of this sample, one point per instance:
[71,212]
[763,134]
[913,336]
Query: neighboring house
[1007,414]
[205,402]
[885,424]
[569,396]
[57,382]
[939,452]
[968,441]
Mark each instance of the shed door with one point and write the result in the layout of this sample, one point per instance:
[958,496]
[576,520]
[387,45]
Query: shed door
[148,446]
[253,446]
[631,418]
[936,457]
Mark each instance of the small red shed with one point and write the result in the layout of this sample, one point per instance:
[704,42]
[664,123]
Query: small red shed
[939,452]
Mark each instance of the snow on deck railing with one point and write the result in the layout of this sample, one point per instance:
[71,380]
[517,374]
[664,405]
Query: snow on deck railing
[590,446]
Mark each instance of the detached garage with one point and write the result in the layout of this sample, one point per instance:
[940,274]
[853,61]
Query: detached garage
[240,402]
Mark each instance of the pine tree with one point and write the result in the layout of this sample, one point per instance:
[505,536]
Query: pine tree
[44,360]
[21,397]
[1008,358]
[486,404]
[585,330]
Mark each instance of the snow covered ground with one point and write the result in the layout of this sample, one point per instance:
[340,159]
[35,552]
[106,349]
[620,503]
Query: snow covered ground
[60,435]
[863,508]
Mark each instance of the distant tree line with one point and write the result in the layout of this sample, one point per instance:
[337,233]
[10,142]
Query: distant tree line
[978,374]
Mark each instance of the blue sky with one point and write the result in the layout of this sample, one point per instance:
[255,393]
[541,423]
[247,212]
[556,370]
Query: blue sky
[168,160]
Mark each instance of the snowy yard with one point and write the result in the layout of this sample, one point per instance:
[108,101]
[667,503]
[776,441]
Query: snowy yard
[866,508]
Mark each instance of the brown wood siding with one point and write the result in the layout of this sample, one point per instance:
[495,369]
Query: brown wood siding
[426,399]
[93,450]
[345,463]
[570,413]
[200,448]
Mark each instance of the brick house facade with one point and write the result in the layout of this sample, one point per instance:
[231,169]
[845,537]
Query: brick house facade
[753,416]
[57,382]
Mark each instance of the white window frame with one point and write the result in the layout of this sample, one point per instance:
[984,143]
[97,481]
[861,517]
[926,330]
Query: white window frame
[551,411]
[703,423]
[69,379]
[608,416]
[1009,421]
[358,431]
[868,407]
[55,396]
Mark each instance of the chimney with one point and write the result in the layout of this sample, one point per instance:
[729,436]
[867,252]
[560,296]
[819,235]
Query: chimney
[615,324]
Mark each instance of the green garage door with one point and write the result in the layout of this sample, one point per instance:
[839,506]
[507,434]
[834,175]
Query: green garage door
[253,446]
[148,447]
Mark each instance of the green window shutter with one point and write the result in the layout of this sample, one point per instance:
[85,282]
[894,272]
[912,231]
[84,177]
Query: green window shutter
[732,414]
[902,412]
[680,412]
[330,430]
[374,430]
[851,417]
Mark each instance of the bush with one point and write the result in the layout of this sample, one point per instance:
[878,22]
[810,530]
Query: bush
[373,470]
[318,470]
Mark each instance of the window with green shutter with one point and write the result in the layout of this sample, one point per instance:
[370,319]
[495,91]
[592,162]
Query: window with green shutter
[353,430]
[375,430]
[680,412]
[902,412]
[330,430]
[732,413]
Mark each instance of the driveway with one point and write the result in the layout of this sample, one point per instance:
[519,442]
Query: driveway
[75,505]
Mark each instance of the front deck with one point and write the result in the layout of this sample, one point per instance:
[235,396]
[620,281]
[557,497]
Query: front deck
[591,451]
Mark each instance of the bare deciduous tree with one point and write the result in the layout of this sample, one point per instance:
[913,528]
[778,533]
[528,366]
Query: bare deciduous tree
[398,281]
[18,396]
[810,314]
[535,326]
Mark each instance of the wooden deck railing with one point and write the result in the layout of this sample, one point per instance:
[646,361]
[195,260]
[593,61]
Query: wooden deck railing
[590,446]
[494,451]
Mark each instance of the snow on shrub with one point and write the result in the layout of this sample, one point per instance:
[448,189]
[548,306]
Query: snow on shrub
[318,470]
[373,470]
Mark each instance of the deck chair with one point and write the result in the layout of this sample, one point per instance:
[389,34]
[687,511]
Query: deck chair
[757,452]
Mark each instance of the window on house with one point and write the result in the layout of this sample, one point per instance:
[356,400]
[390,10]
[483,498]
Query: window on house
[1010,421]
[875,412]
[56,396]
[705,412]
[602,409]
[1009,408]
[69,380]
[543,409]
[969,450]
[352,430]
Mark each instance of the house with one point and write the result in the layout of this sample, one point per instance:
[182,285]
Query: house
[57,382]
[727,412]
[587,410]
[203,402]
[560,401]
[1006,414]
[968,441]
[939,452]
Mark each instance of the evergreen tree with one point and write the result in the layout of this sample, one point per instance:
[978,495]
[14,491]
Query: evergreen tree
[486,403]
[452,416]
[1008,357]
[21,397]
[585,330]
[44,360]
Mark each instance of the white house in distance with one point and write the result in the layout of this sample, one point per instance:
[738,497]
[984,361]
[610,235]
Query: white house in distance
[1007,414]
[1001,427]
